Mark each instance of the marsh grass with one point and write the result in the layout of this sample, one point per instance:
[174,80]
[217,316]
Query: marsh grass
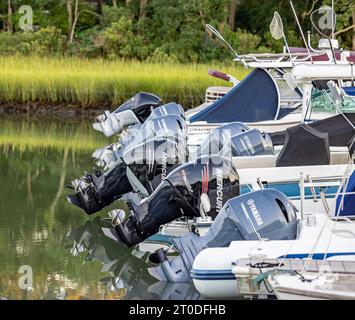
[101,83]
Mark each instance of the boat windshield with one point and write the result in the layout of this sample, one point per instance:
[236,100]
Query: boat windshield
[321,102]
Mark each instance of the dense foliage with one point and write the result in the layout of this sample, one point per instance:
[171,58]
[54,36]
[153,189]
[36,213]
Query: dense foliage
[158,30]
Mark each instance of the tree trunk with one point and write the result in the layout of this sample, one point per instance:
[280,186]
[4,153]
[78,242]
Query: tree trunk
[142,12]
[10,27]
[114,3]
[99,6]
[3,14]
[232,12]
[354,30]
[76,17]
[70,16]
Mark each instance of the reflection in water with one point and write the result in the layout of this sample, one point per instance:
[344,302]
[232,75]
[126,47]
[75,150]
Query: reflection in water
[37,158]
[126,272]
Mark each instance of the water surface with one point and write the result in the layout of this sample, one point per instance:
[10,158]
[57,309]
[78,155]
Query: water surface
[68,254]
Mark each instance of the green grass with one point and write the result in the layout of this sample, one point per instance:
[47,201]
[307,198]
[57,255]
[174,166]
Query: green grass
[101,83]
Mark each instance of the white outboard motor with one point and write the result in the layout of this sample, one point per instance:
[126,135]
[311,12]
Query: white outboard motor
[135,110]
[263,214]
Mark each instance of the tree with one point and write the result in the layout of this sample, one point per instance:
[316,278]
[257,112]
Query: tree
[10,27]
[232,13]
[70,16]
[142,11]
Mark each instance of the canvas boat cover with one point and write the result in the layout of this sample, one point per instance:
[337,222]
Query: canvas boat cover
[304,146]
[256,98]
[345,205]
[349,91]
[338,128]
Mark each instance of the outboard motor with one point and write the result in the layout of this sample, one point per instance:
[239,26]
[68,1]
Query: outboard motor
[251,143]
[135,110]
[263,214]
[212,178]
[169,126]
[139,166]
[218,137]
[170,108]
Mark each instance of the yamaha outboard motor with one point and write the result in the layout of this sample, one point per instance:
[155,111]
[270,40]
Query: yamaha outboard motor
[236,140]
[140,166]
[251,143]
[179,195]
[168,126]
[135,110]
[218,137]
[263,214]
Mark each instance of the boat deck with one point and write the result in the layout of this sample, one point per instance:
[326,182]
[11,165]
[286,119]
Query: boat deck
[334,266]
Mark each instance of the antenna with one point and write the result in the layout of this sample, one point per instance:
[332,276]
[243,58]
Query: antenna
[277,31]
[213,31]
[300,28]
[333,22]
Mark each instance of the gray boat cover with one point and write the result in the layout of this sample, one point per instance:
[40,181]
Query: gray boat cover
[256,98]
[304,146]
[338,128]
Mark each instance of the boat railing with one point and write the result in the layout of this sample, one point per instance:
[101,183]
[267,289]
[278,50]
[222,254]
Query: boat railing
[277,57]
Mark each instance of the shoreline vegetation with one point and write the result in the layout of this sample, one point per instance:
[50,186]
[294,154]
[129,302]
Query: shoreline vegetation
[41,84]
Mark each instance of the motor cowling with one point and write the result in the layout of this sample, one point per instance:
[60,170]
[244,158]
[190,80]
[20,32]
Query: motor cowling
[263,214]
[171,108]
[135,110]
[251,143]
[169,126]
[220,137]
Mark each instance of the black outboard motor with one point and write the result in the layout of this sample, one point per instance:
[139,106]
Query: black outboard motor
[179,195]
[135,110]
[263,214]
[146,161]
[168,126]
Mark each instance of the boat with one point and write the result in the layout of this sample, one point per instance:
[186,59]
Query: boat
[313,286]
[214,277]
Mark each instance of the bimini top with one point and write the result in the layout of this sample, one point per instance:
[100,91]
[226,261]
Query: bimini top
[256,98]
